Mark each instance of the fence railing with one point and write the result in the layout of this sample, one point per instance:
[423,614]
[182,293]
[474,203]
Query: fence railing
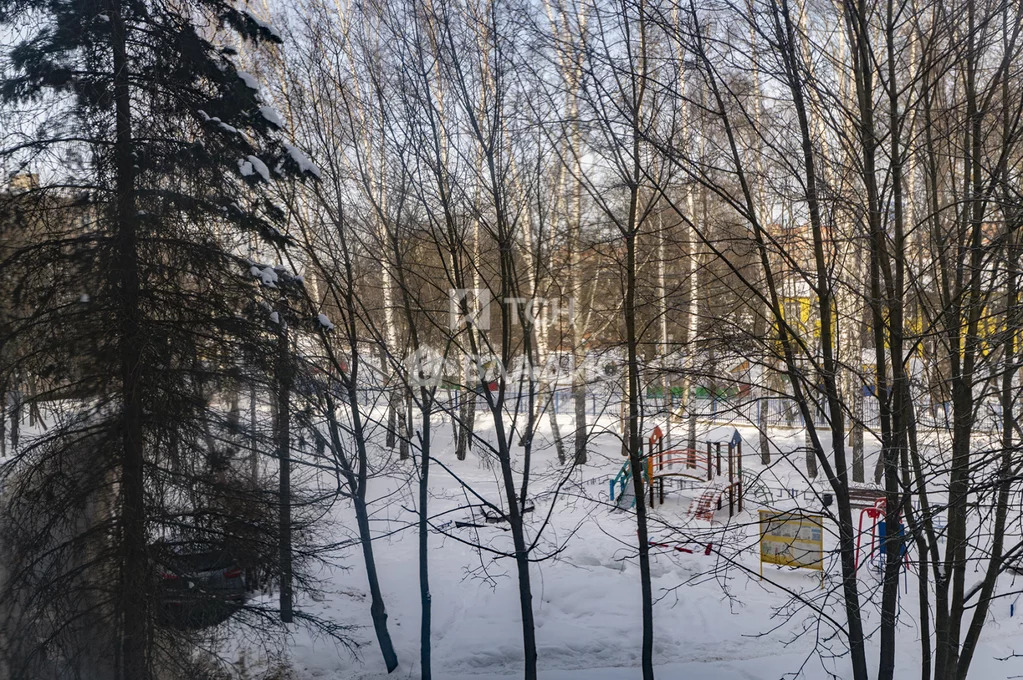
[785,412]
[772,411]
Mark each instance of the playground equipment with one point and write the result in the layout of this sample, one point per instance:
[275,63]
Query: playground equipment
[753,486]
[705,548]
[702,465]
[710,502]
[876,514]
[622,480]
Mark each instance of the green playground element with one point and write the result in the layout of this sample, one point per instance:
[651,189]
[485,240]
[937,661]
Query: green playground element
[621,479]
[703,392]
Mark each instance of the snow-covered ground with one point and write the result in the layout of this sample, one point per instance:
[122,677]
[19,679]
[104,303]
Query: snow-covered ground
[714,616]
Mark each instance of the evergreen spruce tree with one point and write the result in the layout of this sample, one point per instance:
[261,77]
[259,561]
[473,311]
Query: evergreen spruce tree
[124,260]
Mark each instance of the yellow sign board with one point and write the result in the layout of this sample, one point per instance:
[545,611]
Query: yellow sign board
[792,539]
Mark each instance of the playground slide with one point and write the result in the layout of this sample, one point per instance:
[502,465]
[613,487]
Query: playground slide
[626,499]
[621,491]
[708,503]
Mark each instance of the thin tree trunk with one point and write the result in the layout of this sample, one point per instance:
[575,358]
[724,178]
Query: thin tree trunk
[425,597]
[133,595]
[763,406]
[571,70]
[552,418]
[579,400]
[16,413]
[391,438]
[357,478]
[576,278]
[3,419]
[636,452]
[253,438]
[357,483]
[759,373]
[466,415]
[284,462]
[855,388]
[856,434]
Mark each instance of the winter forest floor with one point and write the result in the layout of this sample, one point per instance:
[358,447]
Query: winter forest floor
[715,618]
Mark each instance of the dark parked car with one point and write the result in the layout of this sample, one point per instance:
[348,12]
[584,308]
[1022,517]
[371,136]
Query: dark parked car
[198,589]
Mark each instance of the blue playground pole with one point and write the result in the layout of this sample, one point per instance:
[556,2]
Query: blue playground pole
[882,548]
